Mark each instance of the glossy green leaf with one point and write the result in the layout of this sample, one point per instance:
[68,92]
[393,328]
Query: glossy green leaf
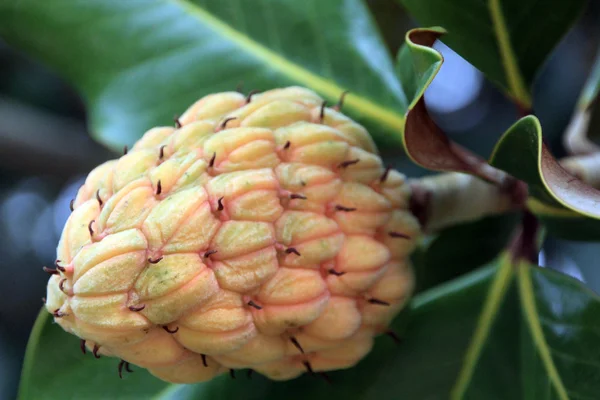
[555,327]
[562,317]
[418,63]
[140,62]
[508,40]
[565,224]
[557,195]
[54,368]
[450,252]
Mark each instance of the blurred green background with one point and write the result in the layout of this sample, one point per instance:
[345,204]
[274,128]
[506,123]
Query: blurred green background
[45,152]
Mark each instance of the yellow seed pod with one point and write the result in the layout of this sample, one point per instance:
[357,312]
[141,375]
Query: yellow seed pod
[261,232]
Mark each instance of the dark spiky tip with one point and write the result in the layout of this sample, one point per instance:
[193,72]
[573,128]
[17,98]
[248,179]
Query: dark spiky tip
[296,344]
[211,163]
[50,271]
[155,260]
[348,163]
[177,121]
[394,337]
[322,112]
[166,328]
[95,351]
[249,97]
[158,187]
[291,250]
[82,346]
[339,207]
[210,253]
[220,206]
[287,145]
[398,235]
[58,267]
[204,360]
[385,174]
[297,196]
[340,102]
[137,308]
[232,373]
[378,302]
[161,152]
[120,368]
[336,273]
[253,304]
[90,229]
[125,150]
[308,367]
[99,198]
[225,121]
[72,205]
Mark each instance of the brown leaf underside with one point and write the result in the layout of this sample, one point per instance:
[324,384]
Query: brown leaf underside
[429,146]
[566,187]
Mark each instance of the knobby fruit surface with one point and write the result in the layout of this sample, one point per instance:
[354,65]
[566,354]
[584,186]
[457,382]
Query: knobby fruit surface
[261,232]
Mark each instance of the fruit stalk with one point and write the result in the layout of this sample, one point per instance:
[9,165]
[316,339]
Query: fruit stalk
[453,198]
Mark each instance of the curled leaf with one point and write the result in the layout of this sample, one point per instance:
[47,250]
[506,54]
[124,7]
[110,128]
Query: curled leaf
[425,143]
[522,153]
[508,40]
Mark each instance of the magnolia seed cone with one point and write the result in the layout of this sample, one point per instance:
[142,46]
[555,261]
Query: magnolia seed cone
[261,232]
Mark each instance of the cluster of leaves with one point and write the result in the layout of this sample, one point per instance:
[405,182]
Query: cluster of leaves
[509,329]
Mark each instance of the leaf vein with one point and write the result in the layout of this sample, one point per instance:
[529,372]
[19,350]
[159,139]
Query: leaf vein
[365,106]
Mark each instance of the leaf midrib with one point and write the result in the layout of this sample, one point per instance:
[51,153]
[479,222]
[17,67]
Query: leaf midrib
[498,290]
[361,105]
[513,74]
[535,328]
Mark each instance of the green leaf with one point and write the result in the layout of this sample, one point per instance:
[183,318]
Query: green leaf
[54,367]
[140,62]
[508,40]
[565,224]
[425,143]
[418,63]
[561,200]
[453,247]
[556,328]
[563,334]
